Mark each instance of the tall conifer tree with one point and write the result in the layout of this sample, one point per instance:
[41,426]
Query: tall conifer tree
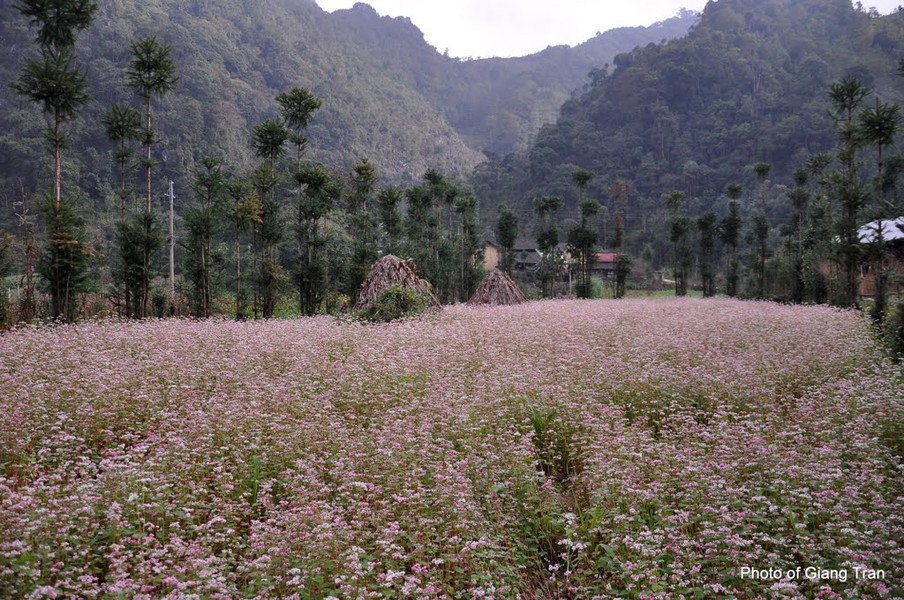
[58,84]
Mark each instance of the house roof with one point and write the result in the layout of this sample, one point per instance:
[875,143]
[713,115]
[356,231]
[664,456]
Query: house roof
[524,243]
[606,257]
[892,229]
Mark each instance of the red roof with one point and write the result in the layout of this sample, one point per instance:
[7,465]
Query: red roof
[606,257]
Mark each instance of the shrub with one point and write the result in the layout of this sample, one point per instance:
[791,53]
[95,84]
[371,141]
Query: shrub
[395,302]
[894,332]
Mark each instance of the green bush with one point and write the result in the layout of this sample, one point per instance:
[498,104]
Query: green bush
[395,302]
[894,332]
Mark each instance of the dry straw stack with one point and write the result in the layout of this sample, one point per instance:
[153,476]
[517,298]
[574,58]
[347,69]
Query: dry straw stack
[497,289]
[393,271]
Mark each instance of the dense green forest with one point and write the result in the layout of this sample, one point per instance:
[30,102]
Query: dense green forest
[738,159]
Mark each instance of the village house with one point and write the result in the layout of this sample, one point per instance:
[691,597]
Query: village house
[525,255]
[604,265]
[891,232]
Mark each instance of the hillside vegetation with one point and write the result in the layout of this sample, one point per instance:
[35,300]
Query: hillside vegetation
[388,95]
[749,84]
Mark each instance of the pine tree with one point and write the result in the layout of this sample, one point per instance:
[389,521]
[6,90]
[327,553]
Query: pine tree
[58,84]
[679,236]
[268,140]
[151,73]
[761,231]
[878,127]
[56,81]
[619,191]
[582,241]
[388,200]
[706,225]
[470,255]
[319,197]
[845,184]
[245,215]
[730,234]
[122,125]
[364,247]
[506,235]
[546,209]
[202,222]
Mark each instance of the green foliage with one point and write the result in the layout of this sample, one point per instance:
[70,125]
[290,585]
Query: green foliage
[729,234]
[138,236]
[267,233]
[296,107]
[844,185]
[203,222]
[441,231]
[893,332]
[320,193]
[57,84]
[245,214]
[679,235]
[396,302]
[362,224]
[388,200]
[122,125]
[152,71]
[546,209]
[623,263]
[506,234]
[6,267]
[65,260]
[582,241]
[58,21]
[269,139]
[706,225]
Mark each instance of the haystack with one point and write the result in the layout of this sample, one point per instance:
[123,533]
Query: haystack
[497,289]
[393,271]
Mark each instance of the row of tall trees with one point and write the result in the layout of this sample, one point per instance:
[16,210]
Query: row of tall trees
[289,223]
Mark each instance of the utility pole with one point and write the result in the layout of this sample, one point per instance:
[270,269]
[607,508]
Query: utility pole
[172,248]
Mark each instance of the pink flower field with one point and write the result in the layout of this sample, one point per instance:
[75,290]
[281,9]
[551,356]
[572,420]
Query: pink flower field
[561,449]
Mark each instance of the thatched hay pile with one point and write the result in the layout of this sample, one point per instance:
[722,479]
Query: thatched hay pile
[393,271]
[497,289]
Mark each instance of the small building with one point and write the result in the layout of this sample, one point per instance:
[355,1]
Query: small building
[604,265]
[892,236]
[526,256]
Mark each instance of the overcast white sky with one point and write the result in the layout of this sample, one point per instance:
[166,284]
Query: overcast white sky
[484,28]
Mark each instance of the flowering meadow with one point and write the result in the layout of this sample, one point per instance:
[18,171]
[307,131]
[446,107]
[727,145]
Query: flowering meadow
[560,449]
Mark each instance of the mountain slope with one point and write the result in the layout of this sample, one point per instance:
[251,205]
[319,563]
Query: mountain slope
[748,84]
[387,95]
[497,104]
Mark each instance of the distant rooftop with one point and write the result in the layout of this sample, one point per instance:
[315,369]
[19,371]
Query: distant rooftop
[892,229]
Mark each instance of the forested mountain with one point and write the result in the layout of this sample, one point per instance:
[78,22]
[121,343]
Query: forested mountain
[748,85]
[387,95]
[496,104]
